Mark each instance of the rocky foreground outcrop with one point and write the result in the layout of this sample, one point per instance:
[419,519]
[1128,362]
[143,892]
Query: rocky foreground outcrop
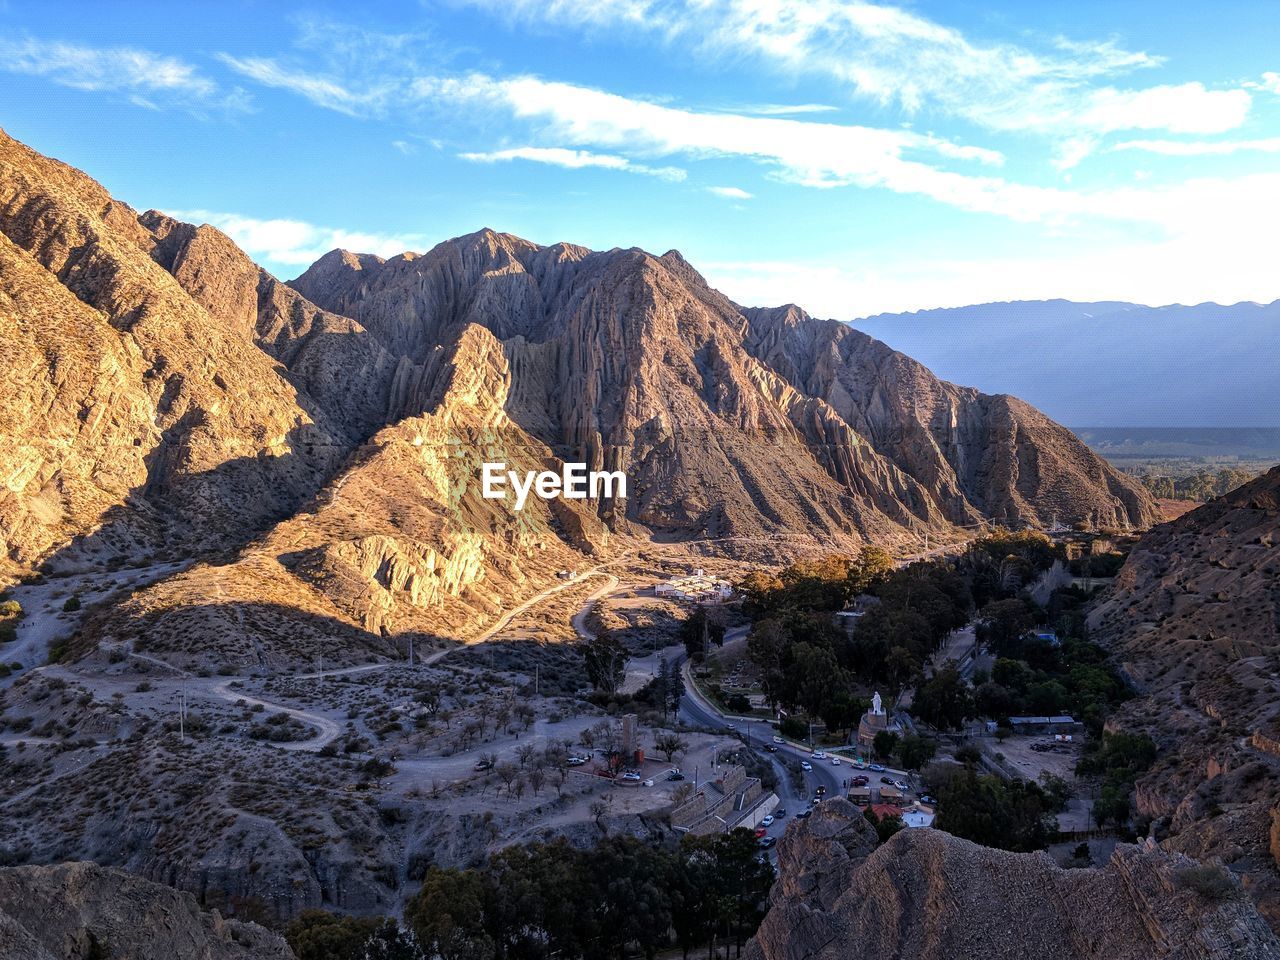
[1193,620]
[78,911]
[930,896]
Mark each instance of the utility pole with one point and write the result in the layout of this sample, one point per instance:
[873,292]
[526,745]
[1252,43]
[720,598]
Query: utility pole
[182,714]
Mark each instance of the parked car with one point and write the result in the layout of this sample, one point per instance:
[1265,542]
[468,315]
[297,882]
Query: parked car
[925,798]
[760,832]
[675,775]
[902,785]
[860,763]
[835,761]
[768,842]
[859,781]
[804,814]
[876,767]
[767,822]
[483,764]
[575,761]
[888,780]
[806,765]
[780,812]
[631,776]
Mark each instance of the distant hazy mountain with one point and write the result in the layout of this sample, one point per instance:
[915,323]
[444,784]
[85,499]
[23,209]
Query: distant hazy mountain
[1108,363]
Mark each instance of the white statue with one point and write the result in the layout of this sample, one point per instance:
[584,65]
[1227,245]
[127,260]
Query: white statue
[875,703]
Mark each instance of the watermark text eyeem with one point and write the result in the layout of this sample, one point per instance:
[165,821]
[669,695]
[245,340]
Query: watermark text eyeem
[574,482]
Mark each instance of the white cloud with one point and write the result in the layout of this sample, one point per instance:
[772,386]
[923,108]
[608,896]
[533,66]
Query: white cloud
[895,56]
[731,193]
[574,160]
[322,91]
[810,153]
[784,109]
[296,243]
[1200,148]
[144,75]
[1270,82]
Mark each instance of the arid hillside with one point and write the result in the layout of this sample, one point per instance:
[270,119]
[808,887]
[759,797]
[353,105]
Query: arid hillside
[1194,620]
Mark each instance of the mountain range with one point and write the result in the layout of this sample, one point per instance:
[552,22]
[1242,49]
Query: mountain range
[1108,363]
[316,446]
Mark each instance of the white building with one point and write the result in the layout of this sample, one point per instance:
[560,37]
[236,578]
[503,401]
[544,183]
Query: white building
[697,587]
[917,816]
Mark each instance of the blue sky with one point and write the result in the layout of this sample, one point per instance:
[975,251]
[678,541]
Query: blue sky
[851,157]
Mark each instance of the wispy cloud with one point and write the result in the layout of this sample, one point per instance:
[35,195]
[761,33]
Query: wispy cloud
[575,160]
[296,243]
[149,79]
[897,57]
[322,91]
[785,109]
[731,193]
[1202,148]
[805,152]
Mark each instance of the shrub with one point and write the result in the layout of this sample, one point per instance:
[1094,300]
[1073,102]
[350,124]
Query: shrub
[1209,880]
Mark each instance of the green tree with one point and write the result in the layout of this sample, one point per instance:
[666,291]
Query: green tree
[700,631]
[1011,815]
[606,661]
[945,700]
[884,743]
[320,935]
[915,751]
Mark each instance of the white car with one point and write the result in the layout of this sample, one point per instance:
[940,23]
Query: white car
[631,776]
[575,761]
[805,765]
[767,822]
[835,761]
[901,785]
[819,755]
[778,740]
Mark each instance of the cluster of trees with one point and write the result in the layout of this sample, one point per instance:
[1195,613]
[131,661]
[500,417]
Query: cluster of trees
[1033,676]
[1013,815]
[1001,564]
[822,583]
[1201,486]
[555,900]
[1118,759]
[320,935]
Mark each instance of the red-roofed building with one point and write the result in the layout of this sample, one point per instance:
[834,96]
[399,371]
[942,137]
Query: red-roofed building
[883,810]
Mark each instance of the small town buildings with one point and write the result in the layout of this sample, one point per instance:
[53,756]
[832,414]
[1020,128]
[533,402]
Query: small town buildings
[883,810]
[891,795]
[1033,725]
[697,587]
[860,796]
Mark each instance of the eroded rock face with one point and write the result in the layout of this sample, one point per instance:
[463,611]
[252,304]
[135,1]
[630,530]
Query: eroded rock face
[1193,621]
[926,894]
[80,910]
[633,357]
